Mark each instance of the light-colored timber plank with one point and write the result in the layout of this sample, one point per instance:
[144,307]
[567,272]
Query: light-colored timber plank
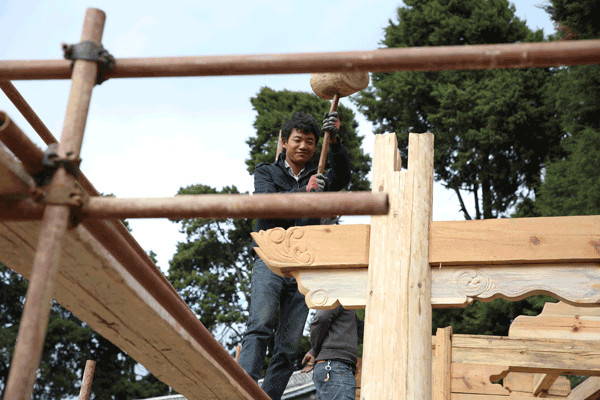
[547,240]
[586,390]
[559,321]
[565,357]
[543,383]
[476,379]
[563,309]
[515,240]
[384,313]
[467,396]
[15,182]
[399,279]
[100,291]
[442,365]
[525,383]
[301,247]
[577,283]
[460,286]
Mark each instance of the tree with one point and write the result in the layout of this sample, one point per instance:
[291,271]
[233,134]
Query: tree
[210,270]
[493,128]
[571,185]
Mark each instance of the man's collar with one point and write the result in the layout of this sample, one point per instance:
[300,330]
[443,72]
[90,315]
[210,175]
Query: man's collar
[288,167]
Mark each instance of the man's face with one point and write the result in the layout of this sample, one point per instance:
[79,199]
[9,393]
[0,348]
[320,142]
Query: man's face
[299,147]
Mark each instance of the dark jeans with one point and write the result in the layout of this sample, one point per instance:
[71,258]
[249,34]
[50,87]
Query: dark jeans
[268,291]
[341,384]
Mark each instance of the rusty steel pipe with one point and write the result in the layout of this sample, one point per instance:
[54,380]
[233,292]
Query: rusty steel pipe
[21,146]
[34,321]
[270,205]
[437,58]
[25,109]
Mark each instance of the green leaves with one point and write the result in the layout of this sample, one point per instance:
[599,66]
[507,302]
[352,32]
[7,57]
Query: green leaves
[69,343]
[493,128]
[211,269]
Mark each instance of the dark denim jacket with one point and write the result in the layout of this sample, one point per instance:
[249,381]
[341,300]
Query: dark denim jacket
[273,178]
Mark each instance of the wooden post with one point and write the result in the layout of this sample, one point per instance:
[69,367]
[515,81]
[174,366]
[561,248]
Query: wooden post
[86,382]
[442,364]
[398,311]
[32,330]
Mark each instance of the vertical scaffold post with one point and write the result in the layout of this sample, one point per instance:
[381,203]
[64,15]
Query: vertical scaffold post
[34,321]
[397,348]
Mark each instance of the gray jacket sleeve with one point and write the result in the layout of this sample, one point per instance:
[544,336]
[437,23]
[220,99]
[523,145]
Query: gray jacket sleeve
[319,327]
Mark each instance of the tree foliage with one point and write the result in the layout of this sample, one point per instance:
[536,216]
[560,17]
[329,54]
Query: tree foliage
[69,343]
[571,185]
[493,128]
[210,270]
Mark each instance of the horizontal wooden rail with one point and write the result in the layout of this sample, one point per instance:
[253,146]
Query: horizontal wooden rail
[565,357]
[467,57]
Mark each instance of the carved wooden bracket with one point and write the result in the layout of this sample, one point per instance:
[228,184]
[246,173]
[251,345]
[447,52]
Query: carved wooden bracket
[460,286]
[330,262]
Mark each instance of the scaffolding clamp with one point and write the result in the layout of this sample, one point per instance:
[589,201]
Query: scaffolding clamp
[69,193]
[90,51]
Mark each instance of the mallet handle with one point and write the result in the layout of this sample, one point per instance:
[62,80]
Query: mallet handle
[326,136]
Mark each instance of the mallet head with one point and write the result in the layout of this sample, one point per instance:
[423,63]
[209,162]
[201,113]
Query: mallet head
[326,85]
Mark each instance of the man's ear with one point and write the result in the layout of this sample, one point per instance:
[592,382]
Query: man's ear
[284,143]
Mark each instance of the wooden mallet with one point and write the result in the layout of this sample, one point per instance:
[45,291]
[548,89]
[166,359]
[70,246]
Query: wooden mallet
[332,86]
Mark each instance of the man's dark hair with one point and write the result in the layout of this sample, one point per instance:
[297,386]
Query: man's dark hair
[300,121]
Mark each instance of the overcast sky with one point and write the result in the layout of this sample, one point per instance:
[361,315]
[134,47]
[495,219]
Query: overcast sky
[149,137]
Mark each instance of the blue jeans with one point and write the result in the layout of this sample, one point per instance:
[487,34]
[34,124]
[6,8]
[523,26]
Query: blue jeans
[269,291]
[341,384]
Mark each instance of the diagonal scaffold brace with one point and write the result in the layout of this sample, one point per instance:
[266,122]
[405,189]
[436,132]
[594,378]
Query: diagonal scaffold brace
[55,221]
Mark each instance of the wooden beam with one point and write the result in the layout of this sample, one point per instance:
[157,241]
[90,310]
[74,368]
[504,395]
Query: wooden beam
[399,281]
[565,357]
[15,182]
[516,240]
[312,245]
[469,396]
[549,240]
[144,317]
[522,383]
[476,379]
[559,321]
[442,365]
[543,382]
[458,287]
[384,313]
[586,390]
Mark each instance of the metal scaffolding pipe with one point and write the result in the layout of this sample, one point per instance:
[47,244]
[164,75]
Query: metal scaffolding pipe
[438,58]
[34,321]
[36,123]
[295,205]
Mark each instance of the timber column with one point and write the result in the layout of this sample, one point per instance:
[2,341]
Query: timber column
[397,346]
